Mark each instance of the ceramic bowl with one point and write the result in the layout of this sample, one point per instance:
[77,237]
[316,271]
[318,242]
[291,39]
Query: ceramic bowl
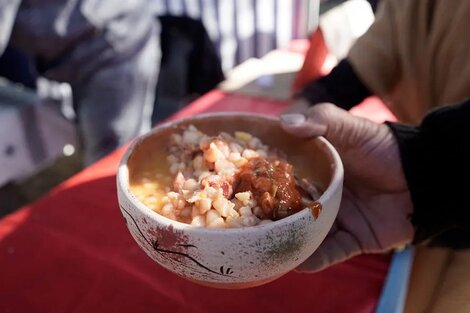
[234,257]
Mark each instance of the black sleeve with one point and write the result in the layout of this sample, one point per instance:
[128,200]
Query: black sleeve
[436,161]
[341,86]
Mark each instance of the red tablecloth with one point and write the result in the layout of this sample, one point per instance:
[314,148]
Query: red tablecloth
[71,252]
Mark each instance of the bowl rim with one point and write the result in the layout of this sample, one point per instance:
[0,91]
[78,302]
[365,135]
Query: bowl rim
[122,179]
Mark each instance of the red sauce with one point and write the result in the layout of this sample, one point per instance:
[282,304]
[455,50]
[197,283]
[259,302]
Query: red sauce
[273,186]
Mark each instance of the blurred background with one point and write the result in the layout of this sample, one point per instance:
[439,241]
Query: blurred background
[68,66]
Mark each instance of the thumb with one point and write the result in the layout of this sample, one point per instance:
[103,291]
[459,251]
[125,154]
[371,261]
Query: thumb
[299,125]
[317,121]
[335,124]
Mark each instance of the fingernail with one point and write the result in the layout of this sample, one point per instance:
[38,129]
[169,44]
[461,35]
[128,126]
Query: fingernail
[293,119]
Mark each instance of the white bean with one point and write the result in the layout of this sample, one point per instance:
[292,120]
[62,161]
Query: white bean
[254,143]
[185,212]
[226,136]
[249,220]
[198,162]
[213,153]
[168,211]
[245,211]
[174,168]
[194,211]
[177,138]
[211,215]
[150,200]
[204,205]
[235,147]
[180,204]
[211,192]
[234,156]
[204,175]
[213,219]
[233,213]
[244,197]
[222,146]
[262,153]
[223,165]
[217,223]
[190,184]
[249,154]
[199,221]
[173,197]
[233,222]
[223,206]
[240,162]
[191,137]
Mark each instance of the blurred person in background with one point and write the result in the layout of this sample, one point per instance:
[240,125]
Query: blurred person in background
[203,40]
[415,57]
[244,29]
[108,51]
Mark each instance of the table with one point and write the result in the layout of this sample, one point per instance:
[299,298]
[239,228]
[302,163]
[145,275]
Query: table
[71,252]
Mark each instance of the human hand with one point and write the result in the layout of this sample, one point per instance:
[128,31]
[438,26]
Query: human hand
[374,212]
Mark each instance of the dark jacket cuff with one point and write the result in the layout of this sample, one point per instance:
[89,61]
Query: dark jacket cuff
[341,86]
[435,159]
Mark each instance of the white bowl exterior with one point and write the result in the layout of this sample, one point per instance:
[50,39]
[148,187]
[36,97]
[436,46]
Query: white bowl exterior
[231,255]
[235,255]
